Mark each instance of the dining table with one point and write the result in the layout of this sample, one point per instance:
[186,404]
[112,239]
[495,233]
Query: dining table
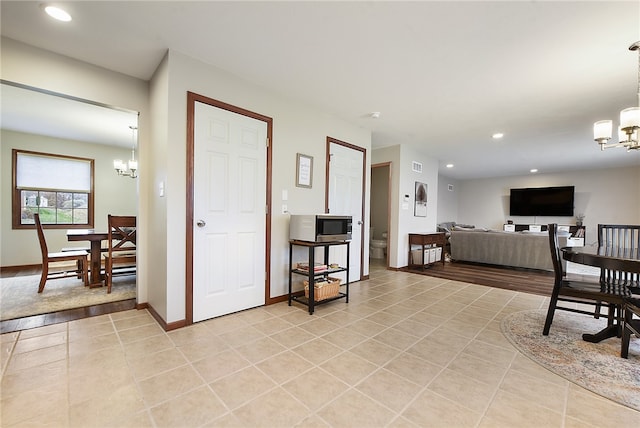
[95,251]
[625,261]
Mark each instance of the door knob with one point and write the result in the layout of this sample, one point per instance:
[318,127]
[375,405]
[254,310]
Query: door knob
[360,222]
[201,223]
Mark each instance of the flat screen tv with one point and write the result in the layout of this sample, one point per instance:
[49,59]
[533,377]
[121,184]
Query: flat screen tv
[542,201]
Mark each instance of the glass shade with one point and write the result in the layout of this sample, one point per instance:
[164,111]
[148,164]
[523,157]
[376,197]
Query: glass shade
[629,118]
[133,165]
[602,130]
[119,165]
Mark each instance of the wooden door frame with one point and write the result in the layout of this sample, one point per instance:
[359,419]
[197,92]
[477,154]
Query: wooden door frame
[192,98]
[364,183]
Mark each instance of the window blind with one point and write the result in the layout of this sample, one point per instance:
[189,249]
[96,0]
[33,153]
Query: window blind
[52,173]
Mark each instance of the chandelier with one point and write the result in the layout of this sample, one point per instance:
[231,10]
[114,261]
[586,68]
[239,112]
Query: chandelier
[629,122]
[130,169]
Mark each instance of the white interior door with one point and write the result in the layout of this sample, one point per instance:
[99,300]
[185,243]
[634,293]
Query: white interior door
[229,212]
[345,198]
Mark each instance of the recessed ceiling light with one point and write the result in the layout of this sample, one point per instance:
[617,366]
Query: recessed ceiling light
[57,13]
[449,165]
[534,170]
[497,135]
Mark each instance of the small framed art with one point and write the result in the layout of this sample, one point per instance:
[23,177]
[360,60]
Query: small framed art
[420,207]
[304,170]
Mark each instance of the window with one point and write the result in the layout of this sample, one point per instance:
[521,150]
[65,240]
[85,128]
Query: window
[59,188]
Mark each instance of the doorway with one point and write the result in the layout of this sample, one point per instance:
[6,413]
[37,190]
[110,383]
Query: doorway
[380,213]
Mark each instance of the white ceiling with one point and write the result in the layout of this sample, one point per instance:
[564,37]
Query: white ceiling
[444,75]
[26,109]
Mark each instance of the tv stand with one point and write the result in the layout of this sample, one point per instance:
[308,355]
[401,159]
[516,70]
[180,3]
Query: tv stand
[576,239]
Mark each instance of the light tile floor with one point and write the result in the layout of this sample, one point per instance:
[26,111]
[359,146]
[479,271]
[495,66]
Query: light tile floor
[406,351]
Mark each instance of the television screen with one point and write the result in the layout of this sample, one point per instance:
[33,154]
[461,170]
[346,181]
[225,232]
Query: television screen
[542,201]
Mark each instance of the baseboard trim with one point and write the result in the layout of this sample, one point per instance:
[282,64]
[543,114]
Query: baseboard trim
[10,269]
[278,299]
[165,326]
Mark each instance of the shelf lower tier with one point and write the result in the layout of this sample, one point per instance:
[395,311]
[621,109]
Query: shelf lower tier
[305,300]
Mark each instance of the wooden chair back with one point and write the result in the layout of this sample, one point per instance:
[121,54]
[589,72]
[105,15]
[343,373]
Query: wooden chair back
[121,253]
[43,242]
[122,233]
[556,255]
[619,239]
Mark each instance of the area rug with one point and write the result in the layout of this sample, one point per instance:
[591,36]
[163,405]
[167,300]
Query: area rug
[19,296]
[594,366]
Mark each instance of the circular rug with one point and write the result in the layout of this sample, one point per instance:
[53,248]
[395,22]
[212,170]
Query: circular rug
[594,366]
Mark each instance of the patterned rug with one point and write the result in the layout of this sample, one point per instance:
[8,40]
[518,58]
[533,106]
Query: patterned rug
[594,366]
[19,295]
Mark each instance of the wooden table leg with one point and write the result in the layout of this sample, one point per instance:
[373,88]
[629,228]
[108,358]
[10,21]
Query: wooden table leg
[95,279]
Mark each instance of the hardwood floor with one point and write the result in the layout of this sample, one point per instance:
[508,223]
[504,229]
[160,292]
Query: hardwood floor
[525,280]
[26,323]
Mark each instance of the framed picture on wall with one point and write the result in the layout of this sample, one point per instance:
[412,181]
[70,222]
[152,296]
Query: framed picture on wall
[304,170]
[420,204]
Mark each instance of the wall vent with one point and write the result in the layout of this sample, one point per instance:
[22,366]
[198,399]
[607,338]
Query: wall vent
[416,167]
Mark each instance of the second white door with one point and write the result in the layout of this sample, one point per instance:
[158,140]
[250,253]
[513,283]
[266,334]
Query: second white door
[345,198]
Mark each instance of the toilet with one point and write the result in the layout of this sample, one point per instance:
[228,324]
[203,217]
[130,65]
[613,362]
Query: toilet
[377,247]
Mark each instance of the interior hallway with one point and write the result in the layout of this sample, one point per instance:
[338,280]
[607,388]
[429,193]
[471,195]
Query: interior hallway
[406,351]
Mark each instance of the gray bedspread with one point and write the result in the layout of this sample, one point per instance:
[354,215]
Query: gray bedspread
[516,249]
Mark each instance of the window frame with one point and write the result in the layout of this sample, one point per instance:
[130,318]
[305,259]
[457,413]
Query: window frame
[16,206]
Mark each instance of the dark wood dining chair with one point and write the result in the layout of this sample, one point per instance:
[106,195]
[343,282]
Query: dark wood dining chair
[581,292]
[80,257]
[121,253]
[631,323]
[618,239]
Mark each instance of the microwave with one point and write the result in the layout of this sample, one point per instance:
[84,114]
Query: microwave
[320,227]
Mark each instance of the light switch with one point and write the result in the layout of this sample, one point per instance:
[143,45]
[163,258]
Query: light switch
[285,194]
[161,189]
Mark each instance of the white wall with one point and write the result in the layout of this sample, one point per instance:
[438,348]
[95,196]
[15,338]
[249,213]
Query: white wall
[297,127]
[403,221]
[158,162]
[113,194]
[604,196]
[447,199]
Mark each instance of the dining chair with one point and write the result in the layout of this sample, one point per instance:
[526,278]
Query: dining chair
[617,239]
[581,293]
[121,253]
[80,257]
[630,325]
